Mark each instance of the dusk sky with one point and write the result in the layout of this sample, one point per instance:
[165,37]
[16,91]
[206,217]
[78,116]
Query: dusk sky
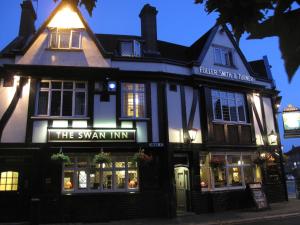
[180,22]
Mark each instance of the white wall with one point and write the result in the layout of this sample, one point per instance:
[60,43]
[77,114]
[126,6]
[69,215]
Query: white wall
[258,135]
[174,115]
[38,54]
[105,112]
[154,107]
[196,124]
[15,129]
[39,132]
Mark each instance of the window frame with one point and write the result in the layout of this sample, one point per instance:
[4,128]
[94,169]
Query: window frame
[58,37]
[237,97]
[136,47]
[50,90]
[12,184]
[101,169]
[225,59]
[134,92]
[227,166]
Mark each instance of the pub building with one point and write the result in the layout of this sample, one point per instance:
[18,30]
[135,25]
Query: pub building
[204,116]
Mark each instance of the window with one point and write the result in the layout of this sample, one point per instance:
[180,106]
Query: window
[228,106]
[130,48]
[133,100]
[9,181]
[62,98]
[82,175]
[65,39]
[228,170]
[223,56]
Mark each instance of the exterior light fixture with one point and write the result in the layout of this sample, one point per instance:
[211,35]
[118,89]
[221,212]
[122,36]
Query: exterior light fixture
[291,121]
[112,86]
[192,133]
[272,138]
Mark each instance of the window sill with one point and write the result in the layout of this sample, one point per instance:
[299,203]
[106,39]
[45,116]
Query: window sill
[223,189]
[134,191]
[231,122]
[133,119]
[60,118]
[65,49]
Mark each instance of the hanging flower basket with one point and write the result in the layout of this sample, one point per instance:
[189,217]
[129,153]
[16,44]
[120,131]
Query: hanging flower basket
[60,158]
[259,160]
[141,157]
[214,164]
[102,157]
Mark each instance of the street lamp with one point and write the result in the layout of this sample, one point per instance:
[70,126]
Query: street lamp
[192,133]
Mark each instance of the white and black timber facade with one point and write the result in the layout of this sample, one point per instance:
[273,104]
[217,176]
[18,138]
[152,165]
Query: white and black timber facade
[203,114]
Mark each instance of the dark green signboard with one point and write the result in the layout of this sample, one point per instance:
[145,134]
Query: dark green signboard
[91,135]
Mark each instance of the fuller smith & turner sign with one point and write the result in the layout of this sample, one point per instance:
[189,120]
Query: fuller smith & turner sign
[91,135]
[225,74]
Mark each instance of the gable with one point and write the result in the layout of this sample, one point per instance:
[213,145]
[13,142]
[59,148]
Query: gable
[64,22]
[237,70]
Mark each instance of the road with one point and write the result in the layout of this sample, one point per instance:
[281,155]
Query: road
[293,220]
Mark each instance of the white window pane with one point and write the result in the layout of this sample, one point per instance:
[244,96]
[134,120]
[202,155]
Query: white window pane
[64,38]
[217,108]
[80,103]
[43,103]
[137,48]
[75,39]
[82,179]
[126,48]
[107,180]
[217,54]
[54,39]
[120,179]
[133,179]
[235,176]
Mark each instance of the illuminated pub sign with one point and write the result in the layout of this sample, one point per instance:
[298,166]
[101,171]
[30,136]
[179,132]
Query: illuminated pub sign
[91,135]
[291,122]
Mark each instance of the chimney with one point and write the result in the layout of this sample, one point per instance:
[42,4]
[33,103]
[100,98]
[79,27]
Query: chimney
[28,17]
[149,29]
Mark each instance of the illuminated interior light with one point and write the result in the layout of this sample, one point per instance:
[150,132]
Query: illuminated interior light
[79,124]
[66,18]
[60,123]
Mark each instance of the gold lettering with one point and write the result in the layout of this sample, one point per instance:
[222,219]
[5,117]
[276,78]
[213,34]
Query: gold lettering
[124,135]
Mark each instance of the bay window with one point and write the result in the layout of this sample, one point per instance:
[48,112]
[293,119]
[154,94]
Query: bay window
[82,175]
[133,100]
[220,171]
[228,106]
[62,98]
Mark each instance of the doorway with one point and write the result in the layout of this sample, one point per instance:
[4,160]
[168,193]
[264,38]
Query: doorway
[182,186]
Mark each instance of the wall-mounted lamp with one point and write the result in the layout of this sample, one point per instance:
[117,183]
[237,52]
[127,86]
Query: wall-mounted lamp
[192,133]
[272,137]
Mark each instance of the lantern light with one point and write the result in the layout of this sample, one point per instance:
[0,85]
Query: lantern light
[192,133]
[272,137]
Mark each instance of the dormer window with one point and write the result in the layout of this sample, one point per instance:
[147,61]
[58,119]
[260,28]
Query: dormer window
[65,39]
[130,48]
[223,56]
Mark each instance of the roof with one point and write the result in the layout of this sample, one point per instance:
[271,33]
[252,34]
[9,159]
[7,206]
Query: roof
[259,68]
[293,151]
[108,45]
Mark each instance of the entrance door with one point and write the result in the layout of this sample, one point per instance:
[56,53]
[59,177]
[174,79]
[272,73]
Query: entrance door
[182,185]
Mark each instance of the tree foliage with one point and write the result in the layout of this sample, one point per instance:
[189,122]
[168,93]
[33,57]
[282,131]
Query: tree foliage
[88,4]
[261,19]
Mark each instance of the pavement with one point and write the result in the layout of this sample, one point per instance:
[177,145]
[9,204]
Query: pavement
[277,211]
